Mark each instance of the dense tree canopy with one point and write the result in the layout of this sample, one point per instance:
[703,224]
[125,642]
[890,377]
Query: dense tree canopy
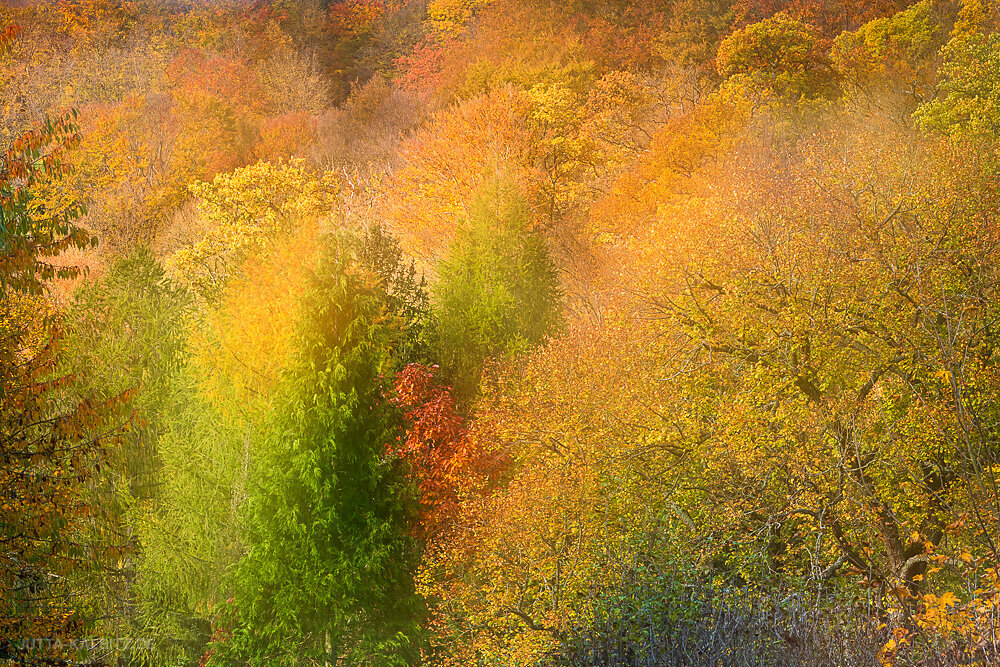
[499,332]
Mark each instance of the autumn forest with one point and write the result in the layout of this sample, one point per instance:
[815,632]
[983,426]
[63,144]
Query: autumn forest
[536,333]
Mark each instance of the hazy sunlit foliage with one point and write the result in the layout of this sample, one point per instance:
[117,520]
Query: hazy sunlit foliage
[500,332]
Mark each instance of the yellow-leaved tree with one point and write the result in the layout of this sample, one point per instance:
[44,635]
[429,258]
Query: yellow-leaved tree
[242,212]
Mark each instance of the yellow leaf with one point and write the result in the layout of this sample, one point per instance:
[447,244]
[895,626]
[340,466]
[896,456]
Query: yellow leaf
[949,599]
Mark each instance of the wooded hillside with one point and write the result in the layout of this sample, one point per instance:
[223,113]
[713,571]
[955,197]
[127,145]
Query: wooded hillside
[500,332]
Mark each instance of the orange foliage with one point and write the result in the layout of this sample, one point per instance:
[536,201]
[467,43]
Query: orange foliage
[352,18]
[449,161]
[9,36]
[445,463]
[196,73]
[579,420]
[282,137]
[629,41]
[422,71]
[671,168]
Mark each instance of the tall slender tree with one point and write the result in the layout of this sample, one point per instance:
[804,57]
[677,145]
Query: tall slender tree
[329,572]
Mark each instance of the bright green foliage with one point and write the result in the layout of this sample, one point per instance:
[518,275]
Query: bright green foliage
[970,105]
[190,532]
[126,333]
[222,421]
[780,55]
[219,418]
[498,291]
[406,294]
[329,572]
